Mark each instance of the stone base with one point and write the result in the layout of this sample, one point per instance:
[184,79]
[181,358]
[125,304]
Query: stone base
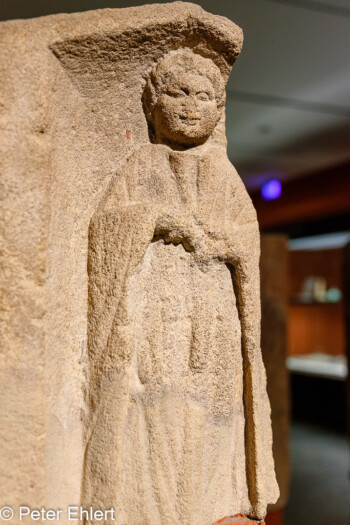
[238,519]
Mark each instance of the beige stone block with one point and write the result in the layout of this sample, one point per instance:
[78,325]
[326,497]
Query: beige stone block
[131,355]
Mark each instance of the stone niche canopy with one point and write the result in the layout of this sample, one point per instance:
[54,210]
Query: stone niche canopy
[112,48]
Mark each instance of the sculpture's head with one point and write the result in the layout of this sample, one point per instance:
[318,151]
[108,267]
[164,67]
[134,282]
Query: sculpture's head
[184,99]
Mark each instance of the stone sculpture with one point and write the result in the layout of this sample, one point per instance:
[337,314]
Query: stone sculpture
[131,368]
[181,420]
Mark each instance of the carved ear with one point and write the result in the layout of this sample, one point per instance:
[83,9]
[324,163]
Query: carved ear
[97,59]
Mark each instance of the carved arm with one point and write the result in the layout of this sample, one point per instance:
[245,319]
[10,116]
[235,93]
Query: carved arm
[243,256]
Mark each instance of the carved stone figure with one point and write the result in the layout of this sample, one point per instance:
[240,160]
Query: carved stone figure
[179,429]
[130,364]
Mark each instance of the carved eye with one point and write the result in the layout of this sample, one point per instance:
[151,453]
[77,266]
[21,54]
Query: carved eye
[203,95]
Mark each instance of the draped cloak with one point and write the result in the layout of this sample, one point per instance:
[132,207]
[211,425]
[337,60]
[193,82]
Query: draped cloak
[179,429]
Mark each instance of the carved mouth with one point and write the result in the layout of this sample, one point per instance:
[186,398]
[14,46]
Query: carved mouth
[189,119]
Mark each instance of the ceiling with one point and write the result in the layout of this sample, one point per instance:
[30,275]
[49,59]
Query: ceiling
[288,104]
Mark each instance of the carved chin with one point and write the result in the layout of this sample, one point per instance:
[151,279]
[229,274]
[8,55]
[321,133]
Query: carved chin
[189,132]
[193,134]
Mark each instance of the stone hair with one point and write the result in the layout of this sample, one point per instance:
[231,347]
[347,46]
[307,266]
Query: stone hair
[181,60]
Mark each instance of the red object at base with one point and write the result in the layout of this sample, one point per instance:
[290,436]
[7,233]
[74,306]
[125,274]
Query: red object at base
[275,518]
[238,519]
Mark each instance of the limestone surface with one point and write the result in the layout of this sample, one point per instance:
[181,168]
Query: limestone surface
[131,290]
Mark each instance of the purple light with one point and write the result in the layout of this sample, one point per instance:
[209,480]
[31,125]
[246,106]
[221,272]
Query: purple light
[271,190]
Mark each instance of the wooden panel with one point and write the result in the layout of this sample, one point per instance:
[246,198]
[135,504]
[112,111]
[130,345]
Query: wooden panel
[316,327]
[318,263]
[346,284]
[274,300]
[275,518]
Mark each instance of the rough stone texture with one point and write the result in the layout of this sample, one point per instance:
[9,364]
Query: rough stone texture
[125,230]
[274,297]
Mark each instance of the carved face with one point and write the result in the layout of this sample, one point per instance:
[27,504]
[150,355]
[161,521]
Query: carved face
[186,111]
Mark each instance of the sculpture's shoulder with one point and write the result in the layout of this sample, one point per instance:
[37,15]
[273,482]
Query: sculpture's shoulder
[144,152]
[140,161]
[121,189]
[145,155]
[238,202]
